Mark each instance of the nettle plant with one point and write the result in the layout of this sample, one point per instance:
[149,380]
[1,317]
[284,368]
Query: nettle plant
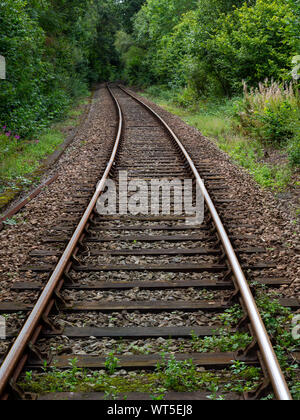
[177,375]
[111,363]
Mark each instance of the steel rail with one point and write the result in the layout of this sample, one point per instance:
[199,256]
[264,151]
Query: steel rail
[276,376]
[19,346]
[275,373]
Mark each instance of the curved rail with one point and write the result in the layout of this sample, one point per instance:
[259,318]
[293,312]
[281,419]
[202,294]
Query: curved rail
[19,346]
[277,378]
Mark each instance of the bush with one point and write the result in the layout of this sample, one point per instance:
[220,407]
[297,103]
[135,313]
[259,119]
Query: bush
[294,151]
[136,69]
[270,113]
[253,43]
[187,98]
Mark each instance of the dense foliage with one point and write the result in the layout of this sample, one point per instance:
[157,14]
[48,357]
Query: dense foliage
[53,50]
[191,50]
[214,45]
[56,48]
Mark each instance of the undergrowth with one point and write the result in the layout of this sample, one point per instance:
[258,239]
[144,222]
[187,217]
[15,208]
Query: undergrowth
[183,375]
[20,158]
[169,375]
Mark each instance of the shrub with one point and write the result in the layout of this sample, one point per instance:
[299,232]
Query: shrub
[271,112]
[178,375]
[253,43]
[136,69]
[294,151]
[187,98]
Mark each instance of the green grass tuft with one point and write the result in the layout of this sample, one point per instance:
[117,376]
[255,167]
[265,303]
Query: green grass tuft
[19,158]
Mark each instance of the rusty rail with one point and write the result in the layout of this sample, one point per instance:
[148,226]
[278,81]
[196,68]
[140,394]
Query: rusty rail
[19,346]
[21,204]
[277,378]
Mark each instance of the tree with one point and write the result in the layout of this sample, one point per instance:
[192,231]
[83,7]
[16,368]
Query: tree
[217,43]
[180,56]
[54,49]
[161,17]
[253,43]
[294,23]
[128,9]
[123,41]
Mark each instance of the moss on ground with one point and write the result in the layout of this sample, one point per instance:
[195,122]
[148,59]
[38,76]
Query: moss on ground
[174,376]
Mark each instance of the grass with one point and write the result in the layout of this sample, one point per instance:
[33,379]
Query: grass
[169,375]
[249,155]
[21,158]
[217,119]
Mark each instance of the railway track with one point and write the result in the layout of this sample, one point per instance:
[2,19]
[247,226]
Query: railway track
[151,278]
